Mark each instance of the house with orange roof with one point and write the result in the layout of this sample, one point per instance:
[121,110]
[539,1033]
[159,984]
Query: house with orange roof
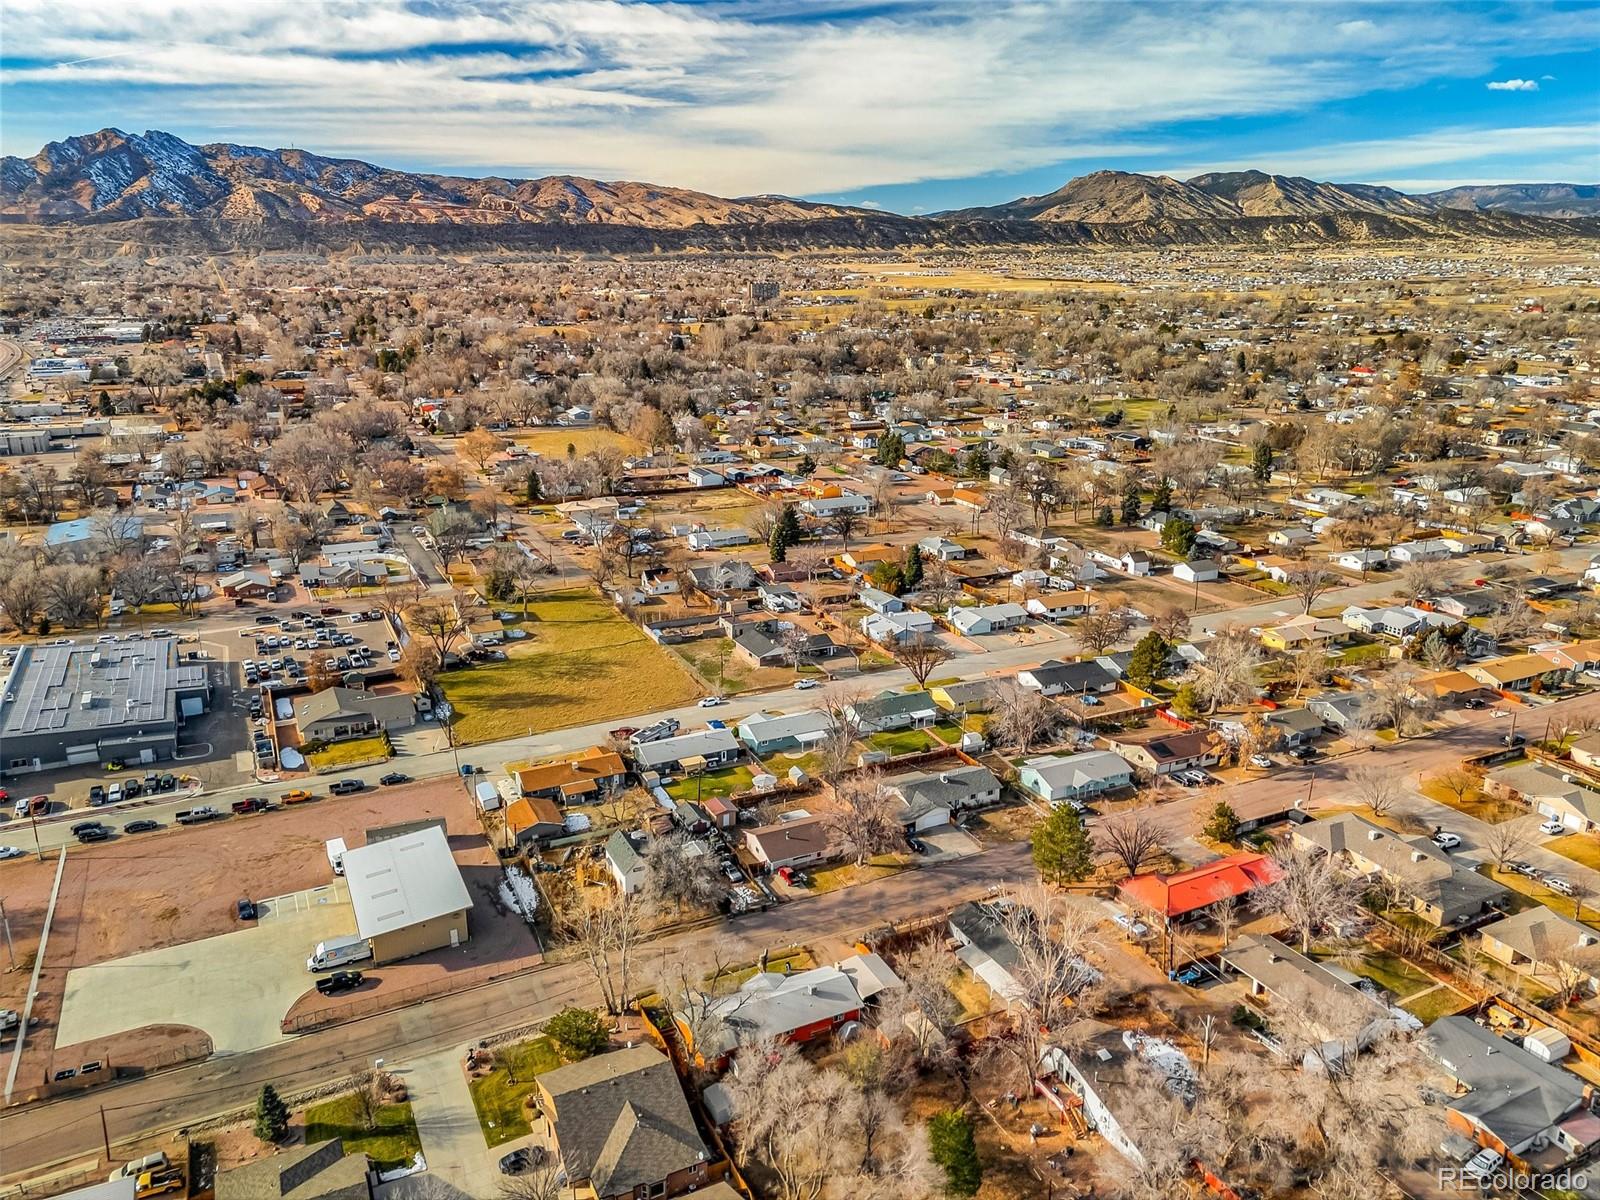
[1180,895]
[534,819]
[584,777]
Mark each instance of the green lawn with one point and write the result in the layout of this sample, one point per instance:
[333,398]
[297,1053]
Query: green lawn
[900,741]
[948,732]
[1356,655]
[357,750]
[1429,1006]
[726,782]
[583,662]
[393,1143]
[498,1095]
[1387,970]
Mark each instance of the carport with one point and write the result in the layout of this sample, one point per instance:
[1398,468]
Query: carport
[235,986]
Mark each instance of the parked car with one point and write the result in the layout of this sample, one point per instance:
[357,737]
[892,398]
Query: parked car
[97,794]
[1261,761]
[96,833]
[1552,827]
[81,826]
[1302,753]
[522,1160]
[1517,867]
[339,981]
[711,701]
[1131,925]
[246,910]
[143,825]
[1446,840]
[297,796]
[1190,976]
[344,787]
[10,852]
[1558,885]
[804,685]
[394,777]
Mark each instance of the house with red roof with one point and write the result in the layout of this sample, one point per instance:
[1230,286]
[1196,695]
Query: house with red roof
[1175,897]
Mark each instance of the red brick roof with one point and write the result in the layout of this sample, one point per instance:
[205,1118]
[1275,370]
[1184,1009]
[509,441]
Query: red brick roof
[1189,891]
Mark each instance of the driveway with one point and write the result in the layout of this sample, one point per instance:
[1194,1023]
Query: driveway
[236,986]
[946,842]
[447,1124]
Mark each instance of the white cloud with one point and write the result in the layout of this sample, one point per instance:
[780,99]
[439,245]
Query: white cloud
[1512,85]
[733,96]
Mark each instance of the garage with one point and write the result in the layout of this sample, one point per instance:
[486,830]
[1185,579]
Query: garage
[236,986]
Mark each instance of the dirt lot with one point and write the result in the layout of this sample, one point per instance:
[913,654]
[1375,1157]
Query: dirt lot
[147,891]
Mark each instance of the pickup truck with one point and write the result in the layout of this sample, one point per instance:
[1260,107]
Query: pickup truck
[159,1183]
[253,804]
[195,816]
[297,796]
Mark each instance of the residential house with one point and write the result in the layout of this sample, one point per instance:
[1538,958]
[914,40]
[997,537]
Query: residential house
[1361,560]
[892,628]
[1319,1002]
[710,748]
[1297,633]
[1575,657]
[1198,570]
[1585,751]
[730,577]
[338,714]
[1514,1102]
[1397,622]
[985,618]
[1560,953]
[1426,879]
[769,644]
[880,602]
[1184,894]
[1053,678]
[797,1008]
[798,842]
[1136,562]
[625,860]
[1348,711]
[1166,753]
[581,779]
[1552,794]
[943,549]
[1423,550]
[893,710]
[1519,673]
[622,1127]
[965,696]
[247,585]
[706,477]
[658,581]
[1075,778]
[779,597]
[827,507]
[1296,726]
[320,1171]
[935,798]
[1462,605]
[1060,606]
[1291,535]
[771,733]
[530,821]
[1110,1080]
[718,539]
[985,948]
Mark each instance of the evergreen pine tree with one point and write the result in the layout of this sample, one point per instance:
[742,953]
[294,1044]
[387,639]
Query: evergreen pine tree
[891,449]
[911,573]
[1224,823]
[1103,517]
[789,526]
[272,1114]
[1061,848]
[1161,501]
[1131,504]
[807,465]
[777,547]
[534,493]
[1261,461]
[951,1145]
[1149,660]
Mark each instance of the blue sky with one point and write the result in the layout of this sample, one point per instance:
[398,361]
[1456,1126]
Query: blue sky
[908,106]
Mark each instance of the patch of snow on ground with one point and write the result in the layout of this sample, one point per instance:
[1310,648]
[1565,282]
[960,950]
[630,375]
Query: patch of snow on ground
[519,894]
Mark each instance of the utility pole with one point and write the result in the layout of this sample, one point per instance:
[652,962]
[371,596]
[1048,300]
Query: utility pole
[11,950]
[105,1134]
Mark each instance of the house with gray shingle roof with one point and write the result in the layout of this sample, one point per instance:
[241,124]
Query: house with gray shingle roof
[1555,950]
[623,1127]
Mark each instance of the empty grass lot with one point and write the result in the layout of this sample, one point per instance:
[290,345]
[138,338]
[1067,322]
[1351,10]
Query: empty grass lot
[581,663]
[393,1142]
[900,741]
[1581,848]
[498,1096]
[553,443]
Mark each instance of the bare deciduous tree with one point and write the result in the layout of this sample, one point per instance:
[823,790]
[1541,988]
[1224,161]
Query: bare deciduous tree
[866,820]
[921,656]
[1133,839]
[1377,787]
[1312,893]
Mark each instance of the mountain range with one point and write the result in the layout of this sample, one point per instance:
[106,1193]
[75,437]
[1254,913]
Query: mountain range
[112,176]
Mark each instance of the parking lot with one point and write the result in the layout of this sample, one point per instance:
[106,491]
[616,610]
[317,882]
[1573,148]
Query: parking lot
[235,987]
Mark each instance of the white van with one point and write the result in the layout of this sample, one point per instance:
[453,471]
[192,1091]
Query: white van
[336,952]
[336,849]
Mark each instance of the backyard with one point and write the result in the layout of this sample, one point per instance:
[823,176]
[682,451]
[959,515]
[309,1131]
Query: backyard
[391,1142]
[900,741]
[582,662]
[712,784]
[498,1096]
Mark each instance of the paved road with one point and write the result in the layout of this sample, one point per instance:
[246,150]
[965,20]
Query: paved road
[41,1136]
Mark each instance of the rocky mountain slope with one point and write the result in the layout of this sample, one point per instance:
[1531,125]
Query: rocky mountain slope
[111,175]
[163,189]
[1563,200]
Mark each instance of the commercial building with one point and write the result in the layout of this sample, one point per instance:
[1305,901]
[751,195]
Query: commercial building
[408,895]
[66,705]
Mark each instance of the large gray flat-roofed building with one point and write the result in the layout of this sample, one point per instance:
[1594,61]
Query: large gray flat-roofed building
[408,894]
[65,705]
